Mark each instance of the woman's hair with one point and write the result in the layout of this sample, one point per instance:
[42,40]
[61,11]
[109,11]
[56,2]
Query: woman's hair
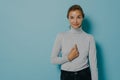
[75,7]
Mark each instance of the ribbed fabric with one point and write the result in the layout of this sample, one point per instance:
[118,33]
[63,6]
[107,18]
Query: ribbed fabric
[65,41]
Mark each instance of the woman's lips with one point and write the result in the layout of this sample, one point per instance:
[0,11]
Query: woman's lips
[75,24]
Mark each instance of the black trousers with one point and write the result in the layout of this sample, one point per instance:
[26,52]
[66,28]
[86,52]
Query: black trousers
[84,74]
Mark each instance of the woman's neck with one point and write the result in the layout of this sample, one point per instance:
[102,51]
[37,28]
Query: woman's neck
[76,30]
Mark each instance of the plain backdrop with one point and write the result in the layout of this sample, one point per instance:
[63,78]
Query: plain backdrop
[28,29]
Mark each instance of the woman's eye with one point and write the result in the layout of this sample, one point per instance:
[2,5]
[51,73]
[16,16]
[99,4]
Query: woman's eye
[71,17]
[79,17]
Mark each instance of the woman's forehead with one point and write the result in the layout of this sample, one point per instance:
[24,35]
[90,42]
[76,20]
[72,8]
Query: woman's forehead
[76,12]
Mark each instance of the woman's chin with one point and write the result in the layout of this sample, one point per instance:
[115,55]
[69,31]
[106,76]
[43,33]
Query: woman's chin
[76,27]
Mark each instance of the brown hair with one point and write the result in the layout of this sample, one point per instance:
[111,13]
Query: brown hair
[75,7]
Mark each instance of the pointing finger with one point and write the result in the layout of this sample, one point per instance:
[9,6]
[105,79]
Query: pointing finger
[76,47]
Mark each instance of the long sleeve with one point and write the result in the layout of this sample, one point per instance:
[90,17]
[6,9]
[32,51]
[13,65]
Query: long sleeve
[55,58]
[92,59]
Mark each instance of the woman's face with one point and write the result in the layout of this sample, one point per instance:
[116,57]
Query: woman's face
[75,18]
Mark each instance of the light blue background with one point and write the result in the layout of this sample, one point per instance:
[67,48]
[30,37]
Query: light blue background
[28,29]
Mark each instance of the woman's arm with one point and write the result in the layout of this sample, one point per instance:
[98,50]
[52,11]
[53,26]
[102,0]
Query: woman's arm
[92,59]
[55,59]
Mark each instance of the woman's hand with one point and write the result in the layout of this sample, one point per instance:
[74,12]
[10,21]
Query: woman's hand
[73,53]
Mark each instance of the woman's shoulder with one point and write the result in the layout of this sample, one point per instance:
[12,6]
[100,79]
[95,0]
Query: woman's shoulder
[88,35]
[61,34]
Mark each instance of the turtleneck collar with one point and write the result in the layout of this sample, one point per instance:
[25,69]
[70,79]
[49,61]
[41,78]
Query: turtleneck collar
[78,30]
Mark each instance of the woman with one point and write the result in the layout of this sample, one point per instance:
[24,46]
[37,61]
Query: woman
[78,60]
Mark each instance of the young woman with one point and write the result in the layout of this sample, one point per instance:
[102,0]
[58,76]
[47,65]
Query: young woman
[78,60]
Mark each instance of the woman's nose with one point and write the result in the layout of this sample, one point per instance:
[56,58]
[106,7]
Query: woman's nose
[75,20]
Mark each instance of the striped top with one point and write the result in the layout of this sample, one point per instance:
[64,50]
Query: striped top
[65,41]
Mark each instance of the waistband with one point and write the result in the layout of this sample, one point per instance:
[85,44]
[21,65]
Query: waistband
[75,72]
